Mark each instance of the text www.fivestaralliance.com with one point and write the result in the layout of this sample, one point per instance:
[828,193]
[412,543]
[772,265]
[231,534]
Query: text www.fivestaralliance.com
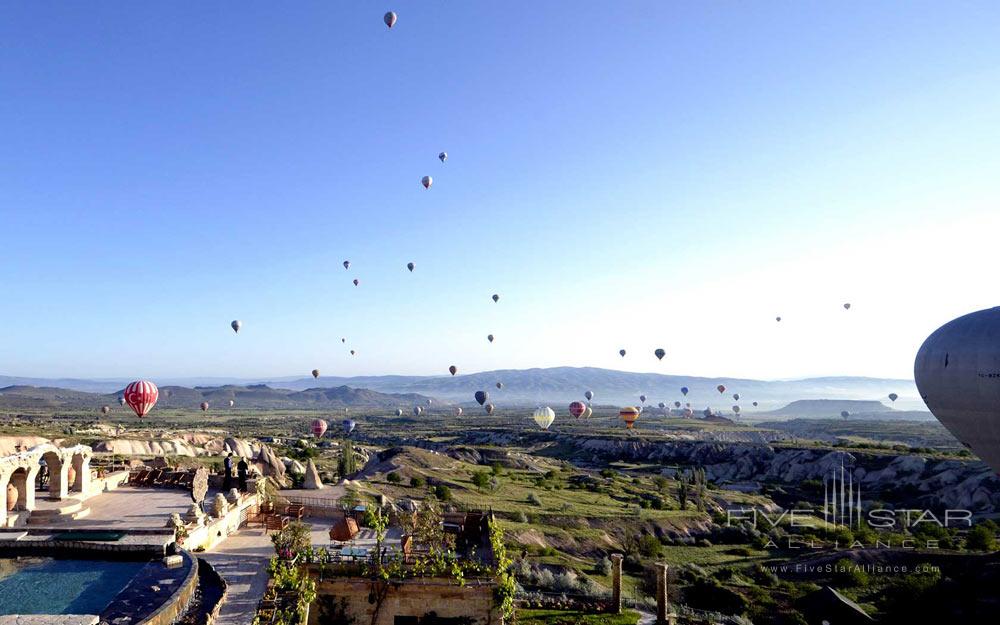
[878,569]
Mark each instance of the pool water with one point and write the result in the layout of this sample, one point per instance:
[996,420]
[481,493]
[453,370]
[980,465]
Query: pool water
[52,586]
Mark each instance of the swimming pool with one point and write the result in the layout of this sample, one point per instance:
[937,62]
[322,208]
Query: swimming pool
[52,586]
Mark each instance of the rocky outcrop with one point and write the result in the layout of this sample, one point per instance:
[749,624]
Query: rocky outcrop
[312,480]
[135,447]
[13,444]
[240,447]
[271,466]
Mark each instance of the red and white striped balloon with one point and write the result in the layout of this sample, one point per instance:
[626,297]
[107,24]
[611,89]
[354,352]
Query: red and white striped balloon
[319,428]
[141,396]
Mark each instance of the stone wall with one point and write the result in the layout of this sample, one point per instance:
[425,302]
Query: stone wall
[214,530]
[410,598]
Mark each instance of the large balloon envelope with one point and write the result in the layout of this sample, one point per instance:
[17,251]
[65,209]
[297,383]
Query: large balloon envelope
[621,352]
[488,408]
[443,156]
[662,405]
[499,385]
[482,397]
[496,298]
[589,395]
[410,266]
[236,325]
[844,414]
[629,414]
[141,396]
[417,410]
[755,404]
[736,396]
[121,400]
[587,413]
[204,406]
[105,409]
[642,398]
[957,371]
[427,181]
[677,404]
[660,353]
[399,412]
[893,397]
[315,373]
[489,337]
[544,416]
[453,369]
[847,306]
[356,282]
[389,19]
[347,264]
[736,409]
[348,425]
[684,390]
[458,411]
[577,409]
[232,402]
[318,428]
[721,388]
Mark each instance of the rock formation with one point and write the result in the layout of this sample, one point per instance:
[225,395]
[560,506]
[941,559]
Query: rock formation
[312,480]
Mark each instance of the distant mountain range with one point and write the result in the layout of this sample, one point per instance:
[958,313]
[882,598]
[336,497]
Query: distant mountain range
[520,387]
[256,396]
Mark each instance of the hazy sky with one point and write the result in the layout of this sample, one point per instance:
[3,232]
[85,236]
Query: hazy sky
[624,174]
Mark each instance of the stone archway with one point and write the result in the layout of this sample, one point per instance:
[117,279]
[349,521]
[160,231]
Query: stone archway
[80,462]
[54,473]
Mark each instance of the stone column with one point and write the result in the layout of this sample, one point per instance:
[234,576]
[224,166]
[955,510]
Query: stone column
[29,499]
[616,583]
[5,474]
[662,603]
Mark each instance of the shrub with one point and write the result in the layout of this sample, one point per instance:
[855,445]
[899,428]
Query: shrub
[981,538]
[604,566]
[649,546]
[393,478]
[534,500]
[442,492]
[481,479]
[416,482]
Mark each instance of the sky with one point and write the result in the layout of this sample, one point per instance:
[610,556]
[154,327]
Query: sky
[631,175]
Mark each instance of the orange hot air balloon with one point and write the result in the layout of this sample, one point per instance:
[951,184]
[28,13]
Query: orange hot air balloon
[629,414]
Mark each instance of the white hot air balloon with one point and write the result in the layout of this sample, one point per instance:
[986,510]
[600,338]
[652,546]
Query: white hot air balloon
[544,416]
[427,181]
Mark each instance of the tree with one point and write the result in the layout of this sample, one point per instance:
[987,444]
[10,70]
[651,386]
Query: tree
[416,482]
[393,478]
[682,495]
[442,492]
[981,538]
[348,463]
[481,479]
[496,469]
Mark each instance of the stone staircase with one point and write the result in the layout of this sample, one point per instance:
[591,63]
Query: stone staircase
[57,513]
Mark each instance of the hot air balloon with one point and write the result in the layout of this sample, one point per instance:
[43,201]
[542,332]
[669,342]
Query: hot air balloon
[707,412]
[589,395]
[642,398]
[315,373]
[232,402]
[105,409]
[662,405]
[236,325]
[399,412]
[427,181]
[429,401]
[847,306]
[577,409]
[621,352]
[141,396]
[778,319]
[204,406]
[956,371]
[684,390]
[755,404]
[347,264]
[721,388]
[488,408]
[499,385]
[458,411]
[417,410]
[489,337]
[482,397]
[348,426]
[356,282]
[587,413]
[318,428]
[677,404]
[736,409]
[544,416]
[343,340]
[688,413]
[736,396]
[453,369]
[660,353]
[496,298]
[893,397]
[844,414]
[121,400]
[389,19]
[629,414]
[443,156]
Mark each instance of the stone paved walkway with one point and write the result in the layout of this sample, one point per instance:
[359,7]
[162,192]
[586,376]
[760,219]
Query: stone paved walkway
[241,560]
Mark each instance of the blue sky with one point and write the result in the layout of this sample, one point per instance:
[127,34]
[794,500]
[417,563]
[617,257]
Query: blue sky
[629,174]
